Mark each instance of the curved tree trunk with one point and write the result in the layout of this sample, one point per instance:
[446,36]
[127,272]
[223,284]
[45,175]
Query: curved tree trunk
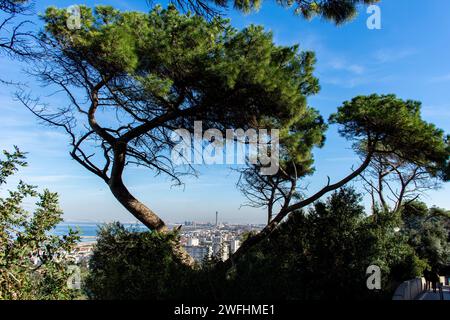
[144,214]
[136,208]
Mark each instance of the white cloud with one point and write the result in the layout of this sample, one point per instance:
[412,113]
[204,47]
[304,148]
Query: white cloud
[441,78]
[341,64]
[392,55]
[356,80]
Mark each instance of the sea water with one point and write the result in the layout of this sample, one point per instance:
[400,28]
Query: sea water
[88,230]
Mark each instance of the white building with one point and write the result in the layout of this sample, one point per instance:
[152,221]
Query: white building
[234,245]
[225,253]
[193,242]
[220,248]
[199,253]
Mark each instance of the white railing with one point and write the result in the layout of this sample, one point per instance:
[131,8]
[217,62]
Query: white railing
[410,290]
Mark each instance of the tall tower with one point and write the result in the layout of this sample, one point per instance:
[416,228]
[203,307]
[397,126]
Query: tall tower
[217,218]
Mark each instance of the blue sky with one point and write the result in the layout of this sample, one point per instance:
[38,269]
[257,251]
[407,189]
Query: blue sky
[408,57]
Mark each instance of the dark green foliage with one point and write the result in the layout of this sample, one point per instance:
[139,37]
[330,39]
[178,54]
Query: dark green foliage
[338,11]
[447,170]
[24,235]
[428,231]
[396,128]
[240,79]
[134,265]
[323,254]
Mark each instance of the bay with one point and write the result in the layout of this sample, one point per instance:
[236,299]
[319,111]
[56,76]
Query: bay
[88,230]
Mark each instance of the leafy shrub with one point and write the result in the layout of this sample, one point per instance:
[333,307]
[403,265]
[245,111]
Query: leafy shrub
[32,264]
[321,254]
[135,265]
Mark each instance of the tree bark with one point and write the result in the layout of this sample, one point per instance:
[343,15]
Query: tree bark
[144,214]
[135,207]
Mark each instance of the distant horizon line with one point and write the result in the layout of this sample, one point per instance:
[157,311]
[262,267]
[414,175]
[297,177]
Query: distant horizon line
[140,223]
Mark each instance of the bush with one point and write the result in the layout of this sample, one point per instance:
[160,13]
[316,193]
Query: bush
[24,236]
[324,254]
[320,254]
[127,264]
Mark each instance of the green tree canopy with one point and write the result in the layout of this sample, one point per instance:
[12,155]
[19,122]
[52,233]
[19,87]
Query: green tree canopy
[388,125]
[162,71]
[377,125]
[428,231]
